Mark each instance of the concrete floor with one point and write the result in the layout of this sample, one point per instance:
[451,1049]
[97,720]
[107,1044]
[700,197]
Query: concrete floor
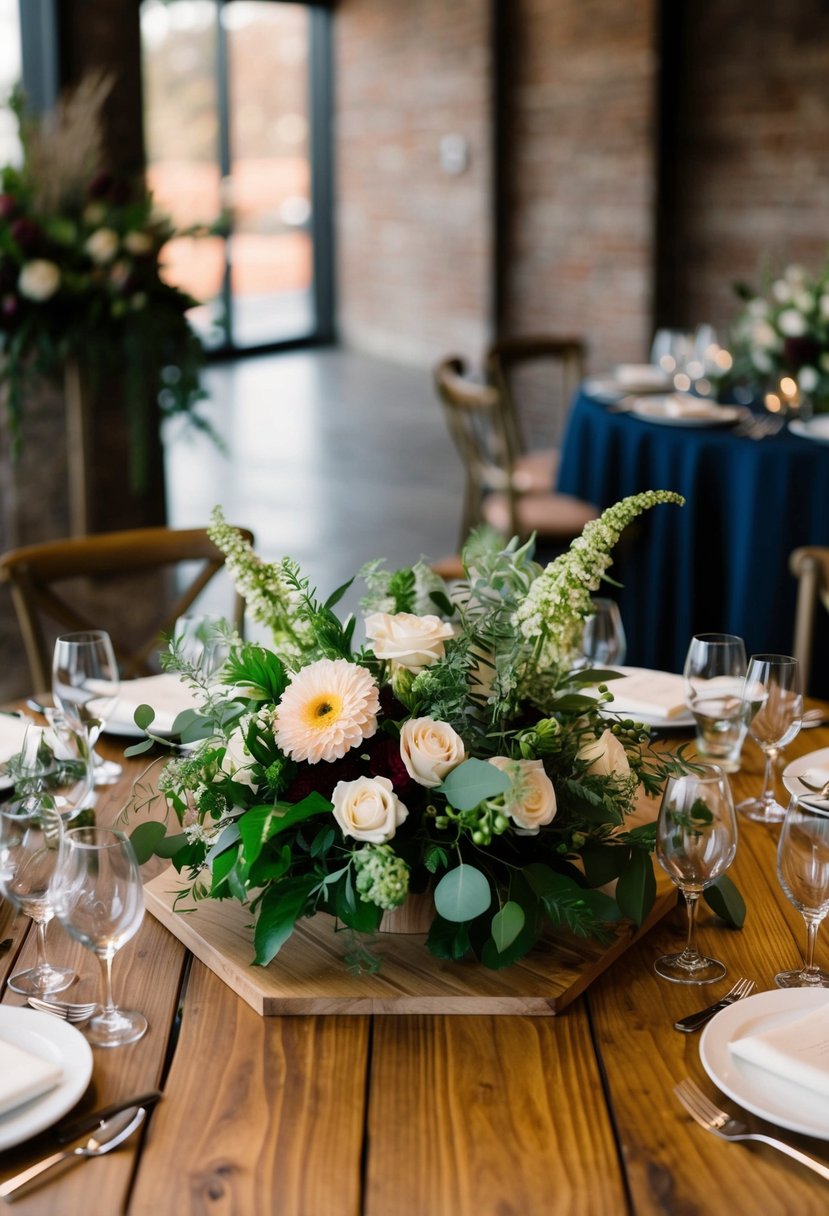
[332,458]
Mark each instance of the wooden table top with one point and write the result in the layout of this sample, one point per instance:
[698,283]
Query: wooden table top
[409,1115]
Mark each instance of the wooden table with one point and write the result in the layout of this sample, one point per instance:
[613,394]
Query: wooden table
[417,1115]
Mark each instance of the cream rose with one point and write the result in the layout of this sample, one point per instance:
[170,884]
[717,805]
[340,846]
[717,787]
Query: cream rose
[39,280]
[411,641]
[531,802]
[605,756]
[430,750]
[102,246]
[368,808]
[237,761]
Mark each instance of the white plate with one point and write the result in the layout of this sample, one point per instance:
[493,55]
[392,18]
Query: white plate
[12,730]
[46,1036]
[686,718]
[652,409]
[792,771]
[165,693]
[765,1093]
[816,428]
[608,388]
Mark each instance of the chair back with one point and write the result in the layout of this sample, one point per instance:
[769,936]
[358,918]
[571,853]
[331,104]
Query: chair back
[810,566]
[543,372]
[45,585]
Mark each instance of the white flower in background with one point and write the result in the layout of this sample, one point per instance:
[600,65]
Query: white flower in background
[804,300]
[781,291]
[808,379]
[794,274]
[792,323]
[138,243]
[430,750]
[410,641]
[531,800]
[329,707]
[39,280]
[758,307]
[102,246]
[368,808]
[237,761]
[605,756]
[763,335]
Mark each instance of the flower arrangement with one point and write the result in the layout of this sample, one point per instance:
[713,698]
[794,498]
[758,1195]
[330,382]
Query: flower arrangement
[459,748]
[80,274]
[784,333]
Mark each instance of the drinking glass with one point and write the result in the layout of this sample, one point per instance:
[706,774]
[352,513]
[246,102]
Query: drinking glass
[803,871]
[202,641]
[603,640]
[85,686]
[99,900]
[30,835]
[671,350]
[715,669]
[773,710]
[696,839]
[54,766]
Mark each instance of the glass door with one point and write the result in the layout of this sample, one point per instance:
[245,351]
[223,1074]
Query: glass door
[235,135]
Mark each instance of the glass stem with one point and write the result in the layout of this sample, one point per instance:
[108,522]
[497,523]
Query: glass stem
[691,903]
[41,963]
[812,927]
[106,975]
[767,796]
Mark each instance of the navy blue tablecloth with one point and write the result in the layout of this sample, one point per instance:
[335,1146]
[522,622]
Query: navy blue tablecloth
[720,563]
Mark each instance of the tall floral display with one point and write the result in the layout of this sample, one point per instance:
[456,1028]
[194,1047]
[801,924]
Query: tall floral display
[460,749]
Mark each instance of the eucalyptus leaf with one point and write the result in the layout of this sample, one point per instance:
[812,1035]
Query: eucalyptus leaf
[471,782]
[170,845]
[507,924]
[725,900]
[636,888]
[138,749]
[448,939]
[462,894]
[145,838]
[143,716]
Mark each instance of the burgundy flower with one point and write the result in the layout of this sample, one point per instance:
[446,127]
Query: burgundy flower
[27,234]
[100,185]
[386,761]
[797,352]
[9,306]
[390,707]
[8,206]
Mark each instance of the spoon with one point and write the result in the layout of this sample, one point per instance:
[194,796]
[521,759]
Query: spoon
[812,718]
[108,1136]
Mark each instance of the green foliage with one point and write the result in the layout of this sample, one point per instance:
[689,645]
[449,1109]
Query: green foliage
[462,894]
[725,900]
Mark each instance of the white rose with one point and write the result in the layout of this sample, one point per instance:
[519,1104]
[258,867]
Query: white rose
[605,756]
[807,379]
[804,300]
[531,802]
[237,761]
[39,280]
[368,808]
[430,750]
[102,246]
[758,308]
[794,274]
[138,243]
[781,291]
[792,323]
[413,642]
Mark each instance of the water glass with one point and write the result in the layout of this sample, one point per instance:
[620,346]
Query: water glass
[715,669]
[99,900]
[773,711]
[696,839]
[85,686]
[603,640]
[803,871]
[671,350]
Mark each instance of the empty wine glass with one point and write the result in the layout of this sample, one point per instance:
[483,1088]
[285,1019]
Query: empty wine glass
[54,766]
[99,900]
[803,871]
[30,835]
[773,710]
[715,669]
[85,686]
[696,839]
[202,641]
[671,350]
[603,640]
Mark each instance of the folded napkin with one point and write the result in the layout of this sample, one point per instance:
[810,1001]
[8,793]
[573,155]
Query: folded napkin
[12,731]
[166,693]
[657,693]
[797,1050]
[24,1076]
[645,374]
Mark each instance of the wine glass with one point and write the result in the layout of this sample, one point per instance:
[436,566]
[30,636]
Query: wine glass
[30,835]
[603,640]
[715,668]
[803,871]
[671,350]
[201,640]
[85,685]
[54,766]
[696,839]
[773,710]
[99,900]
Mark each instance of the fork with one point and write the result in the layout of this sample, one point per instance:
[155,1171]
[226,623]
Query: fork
[743,987]
[714,1120]
[70,1011]
[821,791]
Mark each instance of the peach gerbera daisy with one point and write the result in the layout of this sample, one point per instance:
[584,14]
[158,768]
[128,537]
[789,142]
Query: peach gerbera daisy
[329,707]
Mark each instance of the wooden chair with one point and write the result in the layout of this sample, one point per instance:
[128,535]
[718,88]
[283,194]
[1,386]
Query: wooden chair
[562,363]
[81,583]
[810,566]
[485,440]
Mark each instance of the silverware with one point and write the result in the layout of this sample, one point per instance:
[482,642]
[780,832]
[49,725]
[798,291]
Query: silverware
[694,1021]
[37,706]
[96,1118]
[112,1133]
[812,718]
[70,1011]
[819,791]
[721,1124]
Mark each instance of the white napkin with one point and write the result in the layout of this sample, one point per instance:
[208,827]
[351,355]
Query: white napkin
[797,1050]
[657,693]
[166,693]
[645,374]
[24,1076]
[12,731]
[815,776]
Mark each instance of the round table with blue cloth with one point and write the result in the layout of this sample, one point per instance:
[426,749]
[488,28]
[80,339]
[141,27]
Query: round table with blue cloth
[720,563]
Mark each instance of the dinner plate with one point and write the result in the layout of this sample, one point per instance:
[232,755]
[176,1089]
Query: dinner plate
[686,718]
[12,730]
[762,1092]
[791,773]
[608,388]
[165,692]
[46,1036]
[652,409]
[816,429]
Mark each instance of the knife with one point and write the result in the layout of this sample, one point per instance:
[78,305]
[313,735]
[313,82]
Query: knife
[88,1122]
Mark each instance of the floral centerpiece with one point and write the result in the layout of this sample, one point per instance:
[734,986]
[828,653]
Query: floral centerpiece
[80,275]
[784,332]
[458,749]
